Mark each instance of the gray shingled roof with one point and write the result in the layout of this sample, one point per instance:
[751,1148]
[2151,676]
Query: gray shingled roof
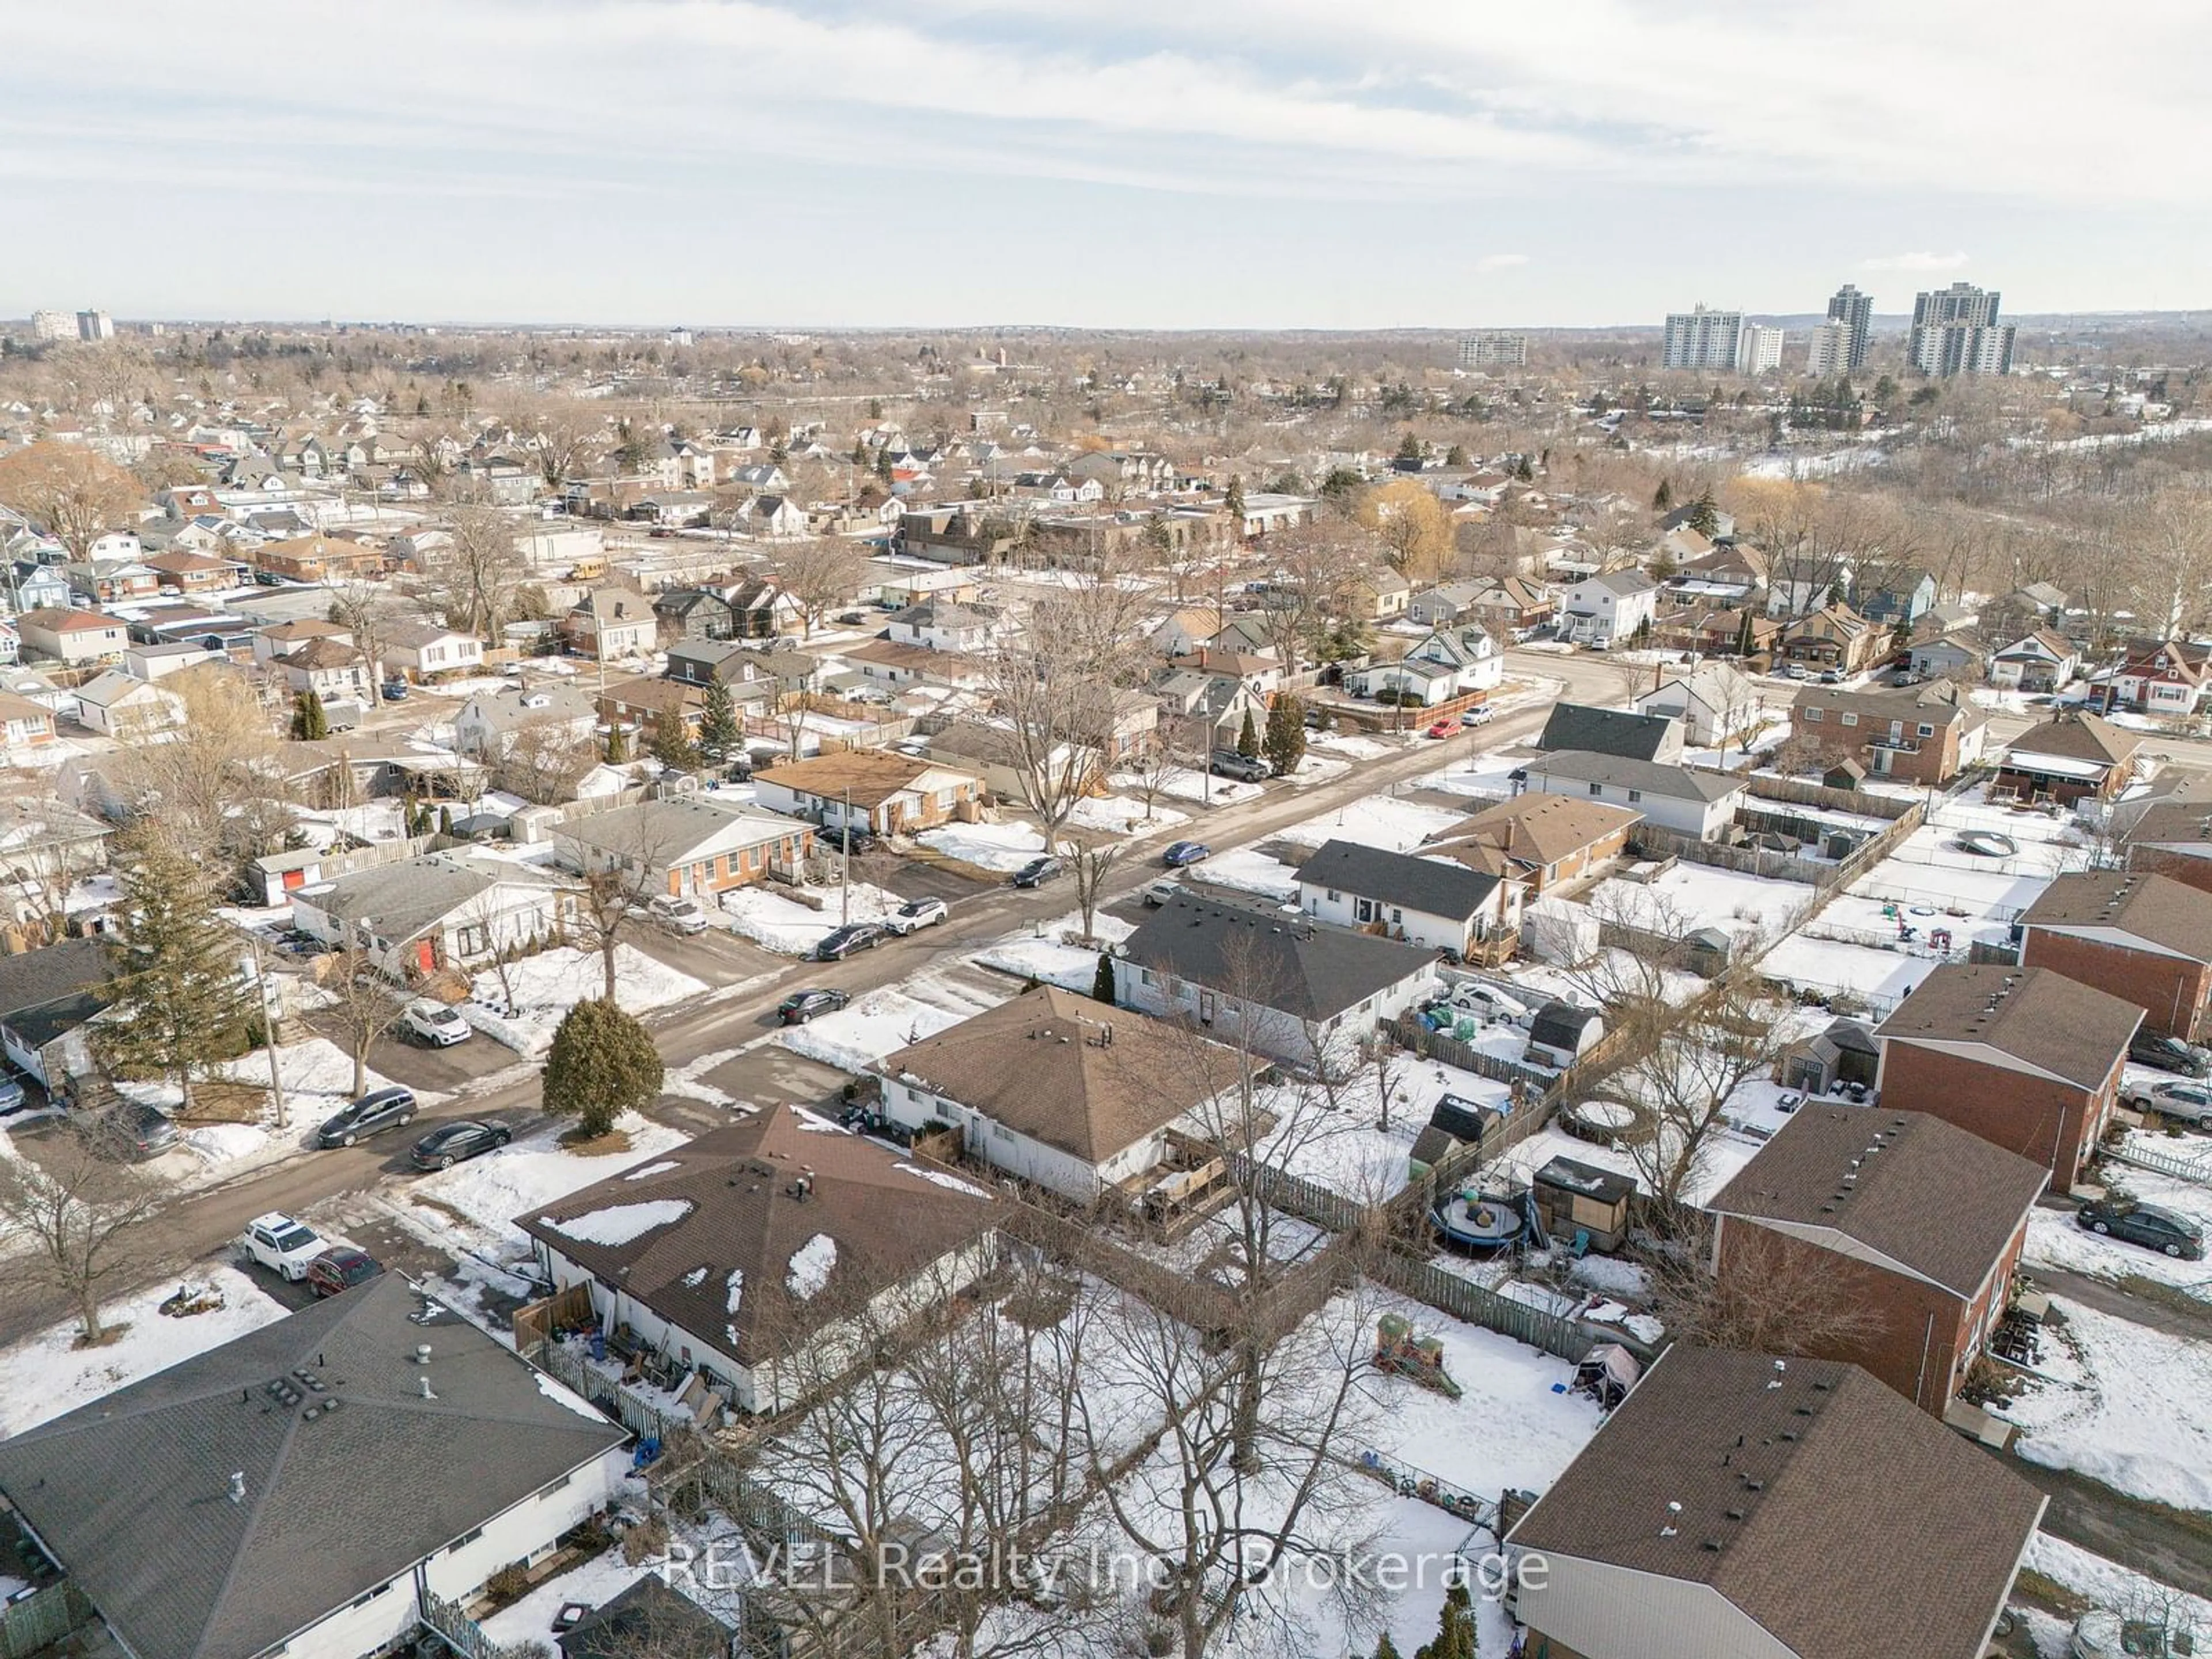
[1828,1508]
[1680,783]
[2157,909]
[131,1490]
[2056,1024]
[398,901]
[1579,726]
[1308,972]
[48,991]
[1430,885]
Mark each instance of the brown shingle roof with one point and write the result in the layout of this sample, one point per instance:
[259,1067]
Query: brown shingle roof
[873,775]
[1037,1065]
[889,1220]
[1937,1200]
[1822,1503]
[2157,909]
[2077,736]
[2045,1019]
[1534,828]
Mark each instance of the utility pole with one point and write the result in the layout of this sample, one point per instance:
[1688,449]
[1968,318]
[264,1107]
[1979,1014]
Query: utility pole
[271,1012]
[845,862]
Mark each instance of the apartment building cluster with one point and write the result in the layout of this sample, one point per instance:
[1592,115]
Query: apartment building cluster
[1955,330]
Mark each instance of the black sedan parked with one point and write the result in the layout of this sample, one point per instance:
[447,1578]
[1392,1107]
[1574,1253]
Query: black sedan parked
[802,1006]
[1036,873]
[455,1143]
[374,1112]
[853,936]
[2146,1225]
[2167,1054]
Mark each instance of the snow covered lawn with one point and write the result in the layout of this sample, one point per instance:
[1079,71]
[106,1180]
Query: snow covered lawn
[853,1038]
[548,985]
[1245,870]
[1704,895]
[1352,745]
[1882,978]
[2138,1415]
[1041,955]
[765,916]
[1396,826]
[318,1078]
[1341,1143]
[491,1191]
[1004,848]
[1125,814]
[47,1376]
[2055,1239]
[1187,785]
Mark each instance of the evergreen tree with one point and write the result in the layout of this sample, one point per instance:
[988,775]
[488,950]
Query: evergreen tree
[671,743]
[445,820]
[1248,739]
[177,1002]
[1409,451]
[309,722]
[1743,637]
[1102,984]
[719,735]
[1663,499]
[1285,744]
[1233,499]
[618,745]
[1704,517]
[1456,456]
[602,1064]
[1385,1648]
[1524,470]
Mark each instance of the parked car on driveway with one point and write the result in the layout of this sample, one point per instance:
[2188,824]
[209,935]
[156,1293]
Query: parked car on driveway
[1157,893]
[1480,714]
[1443,728]
[455,1143]
[1242,768]
[838,839]
[2148,1224]
[12,1097]
[853,936]
[282,1245]
[677,916]
[2167,1054]
[1037,872]
[373,1113]
[1830,677]
[1180,853]
[802,1006]
[135,1131]
[340,1268]
[435,1024]
[2184,1103]
[915,914]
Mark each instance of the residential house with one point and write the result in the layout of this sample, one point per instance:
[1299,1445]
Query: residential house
[2174,838]
[2143,937]
[1450,662]
[117,705]
[2036,605]
[1608,608]
[611,624]
[1712,705]
[438,910]
[1688,801]
[766,1255]
[509,480]
[649,1617]
[48,999]
[225,1504]
[2044,661]
[1054,1089]
[1206,710]
[1629,735]
[1739,1506]
[1418,898]
[2158,676]
[1188,629]
[1957,653]
[1735,573]
[2026,1058]
[1262,676]
[318,558]
[423,650]
[873,789]
[194,573]
[11,644]
[1834,636]
[695,613]
[1447,602]
[641,705]
[686,848]
[900,667]
[941,625]
[489,725]
[158,661]
[777,517]
[1302,993]
[335,670]
[72,638]
[1718,633]
[1510,607]
[1912,1221]
[104,581]
[35,587]
[24,724]
[1377,593]
[675,509]
[281,639]
[1538,840]
[752,671]
[2070,757]
[1924,734]
[1888,599]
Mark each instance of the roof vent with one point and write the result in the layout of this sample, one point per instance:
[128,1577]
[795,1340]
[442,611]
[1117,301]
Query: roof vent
[422,1353]
[238,1487]
[425,1383]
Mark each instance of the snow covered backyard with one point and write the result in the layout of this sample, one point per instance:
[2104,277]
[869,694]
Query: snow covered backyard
[1338,1140]
[1246,870]
[1396,826]
[1690,896]
[546,986]
[1042,954]
[853,1038]
[764,915]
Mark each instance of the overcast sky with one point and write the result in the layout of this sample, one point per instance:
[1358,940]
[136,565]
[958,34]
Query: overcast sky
[1390,163]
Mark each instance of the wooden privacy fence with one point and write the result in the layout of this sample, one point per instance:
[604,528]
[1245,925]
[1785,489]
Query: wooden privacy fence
[456,1629]
[1478,1305]
[42,1619]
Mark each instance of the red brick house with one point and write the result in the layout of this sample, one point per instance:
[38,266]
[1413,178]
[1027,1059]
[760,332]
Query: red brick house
[2068,758]
[2144,936]
[1538,840]
[1834,636]
[2026,1058]
[2159,677]
[1914,1221]
[2174,838]
[193,573]
[1924,734]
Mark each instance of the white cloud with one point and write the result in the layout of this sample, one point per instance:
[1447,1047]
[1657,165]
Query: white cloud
[1500,261]
[1914,262]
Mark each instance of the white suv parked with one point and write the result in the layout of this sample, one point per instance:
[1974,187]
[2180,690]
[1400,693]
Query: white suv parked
[281,1245]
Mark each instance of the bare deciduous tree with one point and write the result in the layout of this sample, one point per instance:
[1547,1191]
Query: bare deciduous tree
[820,574]
[474,578]
[1778,1297]
[73,494]
[76,1215]
[362,1007]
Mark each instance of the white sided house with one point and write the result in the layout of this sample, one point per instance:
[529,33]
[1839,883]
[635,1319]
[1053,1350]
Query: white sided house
[748,1256]
[1437,904]
[1678,798]
[1608,608]
[1054,1089]
[440,910]
[1449,663]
